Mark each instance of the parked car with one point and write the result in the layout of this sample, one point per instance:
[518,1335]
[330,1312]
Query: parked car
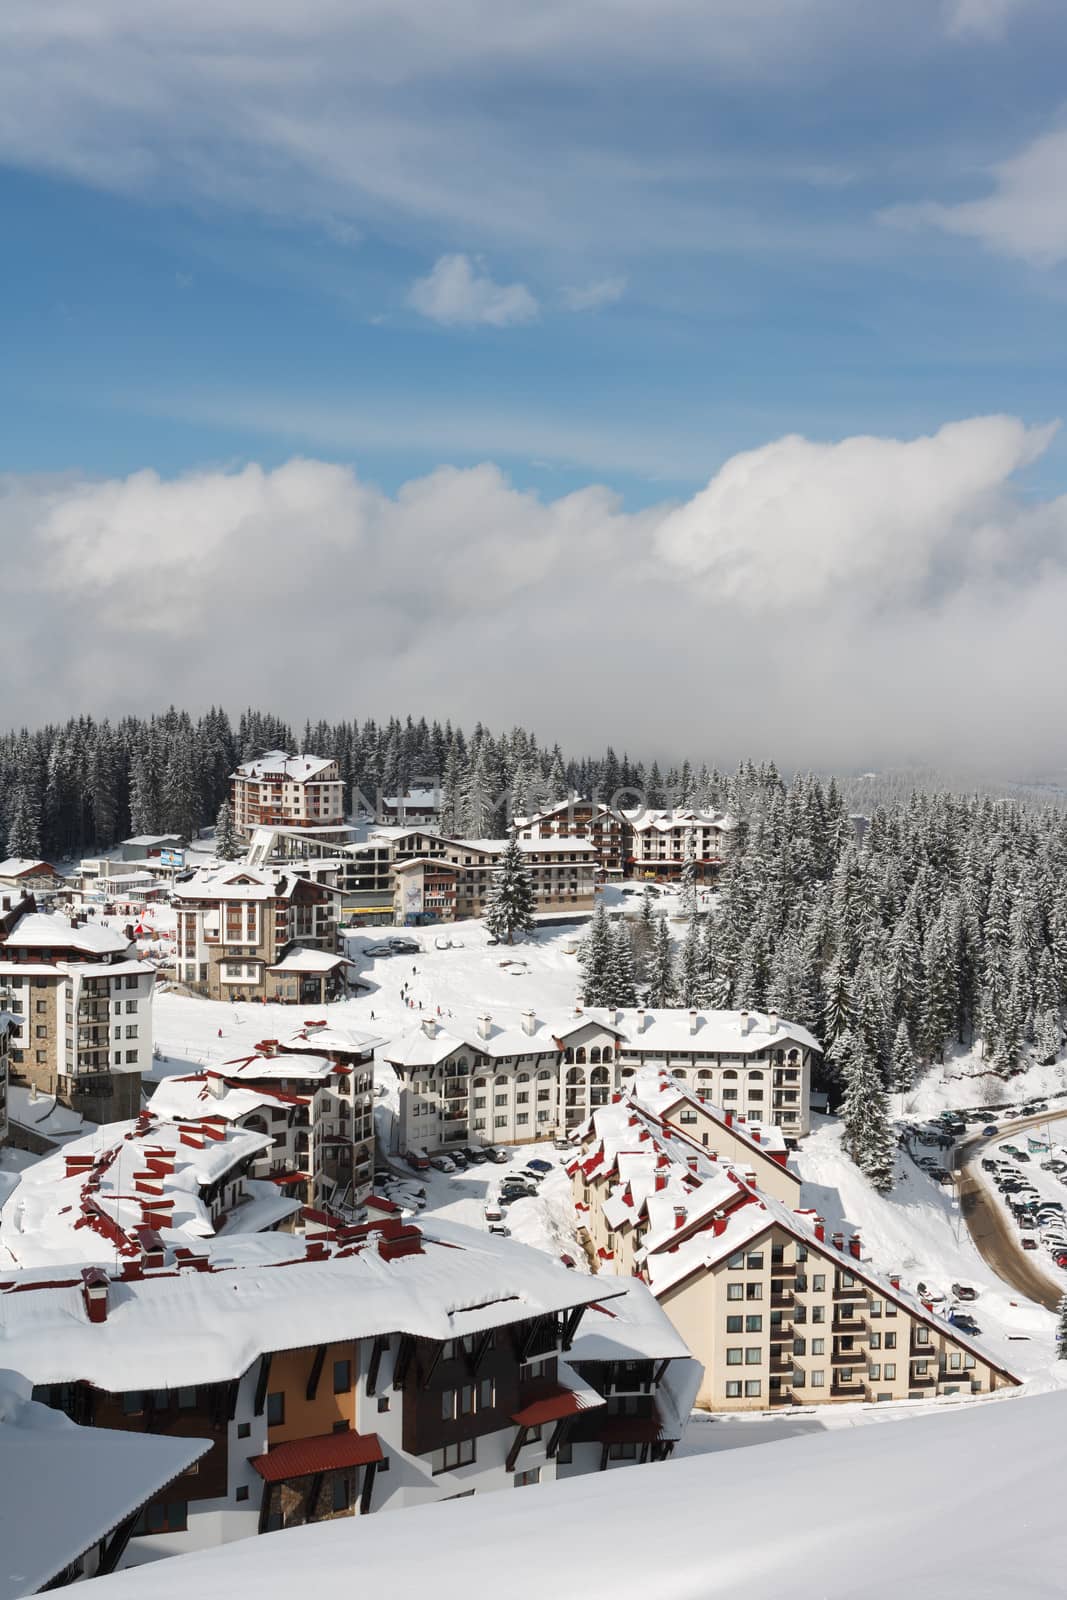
[964,1322]
[539,1164]
[1028,1242]
[562,1144]
[925,1292]
[458,1158]
[380,950]
[404,947]
[568,1261]
[965,1291]
[518,1191]
[475,1157]
[497,1157]
[493,1212]
[500,1228]
[442,1163]
[988,1164]
[417,1160]
[1060,1257]
[991,1131]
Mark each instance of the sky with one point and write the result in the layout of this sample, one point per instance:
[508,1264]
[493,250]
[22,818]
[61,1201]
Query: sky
[684,376]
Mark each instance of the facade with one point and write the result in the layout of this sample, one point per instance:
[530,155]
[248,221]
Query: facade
[656,843]
[312,1094]
[581,819]
[258,933]
[82,1004]
[417,808]
[544,1078]
[30,877]
[366,1369]
[7,1022]
[278,790]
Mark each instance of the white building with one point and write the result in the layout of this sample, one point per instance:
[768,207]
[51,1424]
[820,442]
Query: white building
[278,790]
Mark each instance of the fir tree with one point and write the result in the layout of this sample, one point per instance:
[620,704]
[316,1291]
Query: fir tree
[661,983]
[24,834]
[595,958]
[1061,1330]
[691,980]
[865,1115]
[688,886]
[622,977]
[510,902]
[227,844]
[1049,1038]
[903,1064]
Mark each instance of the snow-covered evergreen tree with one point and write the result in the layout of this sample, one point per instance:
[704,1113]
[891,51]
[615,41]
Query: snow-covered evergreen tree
[510,901]
[1061,1329]
[227,844]
[661,980]
[622,975]
[687,889]
[595,960]
[869,1137]
[24,834]
[691,984]
[1049,1038]
[903,1064]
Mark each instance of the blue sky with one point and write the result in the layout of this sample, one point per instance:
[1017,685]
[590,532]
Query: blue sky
[461,346]
[181,290]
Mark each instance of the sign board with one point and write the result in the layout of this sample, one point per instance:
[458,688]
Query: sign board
[172,858]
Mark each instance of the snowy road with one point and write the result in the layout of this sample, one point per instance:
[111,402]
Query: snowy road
[990,1227]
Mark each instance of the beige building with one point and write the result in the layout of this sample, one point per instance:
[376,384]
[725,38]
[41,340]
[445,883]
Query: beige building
[251,934]
[278,790]
[82,1008]
[7,1022]
[656,842]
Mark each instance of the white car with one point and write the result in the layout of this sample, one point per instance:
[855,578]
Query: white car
[442,1164]
[493,1212]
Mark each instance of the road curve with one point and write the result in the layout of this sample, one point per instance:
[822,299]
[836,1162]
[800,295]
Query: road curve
[994,1236]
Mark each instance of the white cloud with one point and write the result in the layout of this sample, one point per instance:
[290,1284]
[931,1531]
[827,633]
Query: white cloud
[602,292]
[987,18]
[1025,215]
[455,293]
[874,599]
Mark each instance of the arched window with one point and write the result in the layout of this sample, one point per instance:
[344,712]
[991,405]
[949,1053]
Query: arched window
[542,1076]
[524,1077]
[594,1054]
[599,1075]
[575,1077]
[480,1083]
[704,1072]
[609,1053]
[678,1072]
[579,1054]
[256,1124]
[794,1055]
[462,1064]
[501,1081]
[568,1055]
[755,1077]
[729,1073]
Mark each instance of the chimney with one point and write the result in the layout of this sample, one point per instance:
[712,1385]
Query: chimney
[578,1006]
[894,1280]
[529,1022]
[313,1027]
[692,1163]
[429,1027]
[755,1135]
[838,1241]
[854,1246]
[94,1293]
[642,1019]
[267,1047]
[729,1118]
[692,1021]
[485,1022]
[820,1229]
[216,1085]
[744,1023]
[661,1182]
[680,1215]
[772,1022]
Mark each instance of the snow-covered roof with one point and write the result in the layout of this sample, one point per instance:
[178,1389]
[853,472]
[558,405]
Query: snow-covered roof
[83,1203]
[628,1327]
[314,1036]
[278,763]
[667,1096]
[415,799]
[663,821]
[50,930]
[172,1329]
[417,1048]
[65,1487]
[25,867]
[302,958]
[235,881]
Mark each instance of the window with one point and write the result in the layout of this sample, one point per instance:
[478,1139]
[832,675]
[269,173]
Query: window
[922,1336]
[890,1370]
[818,1313]
[466,1400]
[754,1324]
[383,1403]
[874,1371]
[186,1399]
[244,1430]
[166,1516]
[876,1341]
[523,1480]
[733,1389]
[241,1492]
[341,1492]
[755,1262]
[876,1308]
[921,1368]
[752,1388]
[818,1347]
[818,1283]
[818,1380]
[131,1030]
[275,1409]
[448,1405]
[460,1454]
[968,1362]
[753,1291]
[734,1324]
[753,1355]
[734,1356]
[500,1122]
[486,1394]
[802,1253]
[342,1377]
[800,1347]
[890,1341]
[735,1291]
[736,1261]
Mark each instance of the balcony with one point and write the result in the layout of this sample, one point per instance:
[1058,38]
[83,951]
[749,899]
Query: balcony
[856,1292]
[781,1332]
[847,1358]
[782,1298]
[849,1391]
[853,1325]
[781,1363]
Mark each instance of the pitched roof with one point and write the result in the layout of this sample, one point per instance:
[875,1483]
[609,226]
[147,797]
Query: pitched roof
[323,1452]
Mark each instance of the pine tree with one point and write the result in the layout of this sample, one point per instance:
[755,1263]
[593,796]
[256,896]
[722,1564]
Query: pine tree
[661,983]
[1049,1038]
[865,1115]
[23,834]
[227,844]
[688,887]
[623,981]
[1061,1330]
[510,902]
[595,958]
[691,981]
[903,1064]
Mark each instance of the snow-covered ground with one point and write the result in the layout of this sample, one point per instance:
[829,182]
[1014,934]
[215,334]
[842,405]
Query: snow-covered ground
[918,1230]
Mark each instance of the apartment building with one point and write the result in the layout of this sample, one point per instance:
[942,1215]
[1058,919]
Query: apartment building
[581,819]
[369,1368]
[312,1095]
[30,877]
[415,808]
[656,843]
[152,1184]
[544,1078]
[82,1004]
[279,790]
[258,933]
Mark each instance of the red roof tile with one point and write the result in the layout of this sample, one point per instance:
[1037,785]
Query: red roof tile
[325,1452]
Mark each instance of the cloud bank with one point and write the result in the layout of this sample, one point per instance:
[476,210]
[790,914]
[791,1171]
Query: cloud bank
[868,600]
